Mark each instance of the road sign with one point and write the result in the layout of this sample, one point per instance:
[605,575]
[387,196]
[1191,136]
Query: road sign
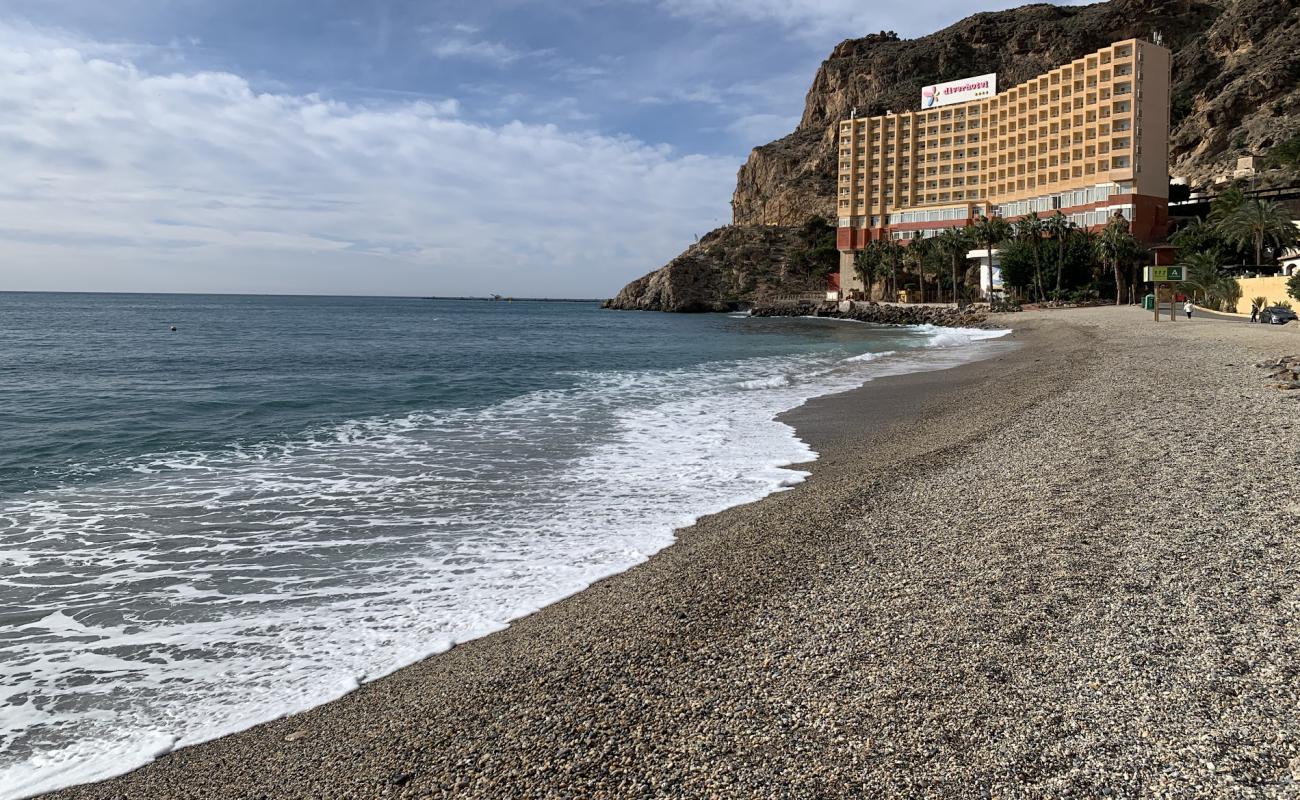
[1176,274]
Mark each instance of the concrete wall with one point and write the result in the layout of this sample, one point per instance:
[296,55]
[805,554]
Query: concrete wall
[1272,288]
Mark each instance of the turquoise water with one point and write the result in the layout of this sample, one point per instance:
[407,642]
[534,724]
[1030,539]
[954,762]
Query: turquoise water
[205,528]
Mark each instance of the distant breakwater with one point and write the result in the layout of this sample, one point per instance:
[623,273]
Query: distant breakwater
[975,316]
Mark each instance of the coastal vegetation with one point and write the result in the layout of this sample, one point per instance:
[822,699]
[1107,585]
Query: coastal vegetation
[1078,264]
[1116,245]
[1239,231]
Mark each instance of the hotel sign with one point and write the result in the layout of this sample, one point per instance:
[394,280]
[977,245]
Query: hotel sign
[942,94]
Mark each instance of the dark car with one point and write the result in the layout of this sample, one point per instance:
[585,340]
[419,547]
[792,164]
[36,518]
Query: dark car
[1276,315]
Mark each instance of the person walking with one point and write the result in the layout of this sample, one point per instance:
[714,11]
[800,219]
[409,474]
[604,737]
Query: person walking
[1254,312]
[1187,309]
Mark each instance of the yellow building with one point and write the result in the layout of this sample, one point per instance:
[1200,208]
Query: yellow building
[1089,139]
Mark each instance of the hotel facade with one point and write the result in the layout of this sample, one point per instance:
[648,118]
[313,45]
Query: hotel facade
[1089,139]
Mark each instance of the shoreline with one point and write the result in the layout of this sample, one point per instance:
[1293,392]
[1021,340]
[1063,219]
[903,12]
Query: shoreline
[801,419]
[725,663]
[983,337]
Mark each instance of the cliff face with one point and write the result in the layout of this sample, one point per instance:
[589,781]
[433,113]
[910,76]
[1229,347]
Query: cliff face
[1236,91]
[733,265]
[1236,85]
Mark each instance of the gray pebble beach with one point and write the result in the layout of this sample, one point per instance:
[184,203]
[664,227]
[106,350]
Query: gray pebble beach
[1070,570]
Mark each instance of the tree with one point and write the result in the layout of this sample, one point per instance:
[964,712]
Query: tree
[990,232]
[1293,286]
[1029,230]
[1225,204]
[866,263]
[1059,227]
[955,245]
[917,252]
[1220,290]
[1117,245]
[816,254]
[892,255]
[1016,262]
[1259,224]
[1200,237]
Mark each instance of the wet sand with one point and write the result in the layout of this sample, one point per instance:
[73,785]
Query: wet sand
[1071,569]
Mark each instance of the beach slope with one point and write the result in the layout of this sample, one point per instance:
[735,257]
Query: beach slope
[1071,569]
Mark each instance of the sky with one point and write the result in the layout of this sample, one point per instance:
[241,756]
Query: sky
[392,147]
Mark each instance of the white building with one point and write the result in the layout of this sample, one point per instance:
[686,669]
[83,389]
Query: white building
[981,257]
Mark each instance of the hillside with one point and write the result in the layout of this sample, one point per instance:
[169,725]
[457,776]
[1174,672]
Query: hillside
[1236,91]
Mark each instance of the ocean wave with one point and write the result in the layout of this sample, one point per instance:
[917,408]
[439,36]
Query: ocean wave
[868,357]
[958,337]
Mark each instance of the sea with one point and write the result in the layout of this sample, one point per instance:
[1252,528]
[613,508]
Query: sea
[218,510]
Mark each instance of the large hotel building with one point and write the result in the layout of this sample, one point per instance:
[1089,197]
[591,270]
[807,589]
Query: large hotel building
[1090,138]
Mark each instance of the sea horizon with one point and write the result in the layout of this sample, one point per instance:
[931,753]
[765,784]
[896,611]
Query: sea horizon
[474,298]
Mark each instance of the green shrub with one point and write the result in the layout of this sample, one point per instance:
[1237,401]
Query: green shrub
[1285,155]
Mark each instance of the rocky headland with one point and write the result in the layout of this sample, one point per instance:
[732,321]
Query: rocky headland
[1235,92]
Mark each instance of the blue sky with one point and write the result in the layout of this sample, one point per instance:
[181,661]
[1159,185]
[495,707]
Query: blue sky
[391,146]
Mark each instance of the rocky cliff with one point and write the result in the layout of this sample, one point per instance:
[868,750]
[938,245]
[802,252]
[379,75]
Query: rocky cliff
[735,265]
[1236,91]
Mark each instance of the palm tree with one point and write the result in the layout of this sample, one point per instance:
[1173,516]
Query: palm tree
[1225,205]
[990,232]
[1258,224]
[1059,227]
[955,243]
[1029,229]
[1116,245]
[1204,273]
[918,251]
[892,253]
[865,264]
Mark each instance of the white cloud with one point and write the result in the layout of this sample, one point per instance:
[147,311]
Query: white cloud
[841,19]
[116,178]
[477,50]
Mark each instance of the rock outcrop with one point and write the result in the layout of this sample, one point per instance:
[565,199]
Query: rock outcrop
[975,316]
[733,266]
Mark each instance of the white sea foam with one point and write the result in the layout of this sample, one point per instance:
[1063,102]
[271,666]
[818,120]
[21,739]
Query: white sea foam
[216,590]
[867,357]
[958,337]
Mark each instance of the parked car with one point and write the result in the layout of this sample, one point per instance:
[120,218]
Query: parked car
[1276,315]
